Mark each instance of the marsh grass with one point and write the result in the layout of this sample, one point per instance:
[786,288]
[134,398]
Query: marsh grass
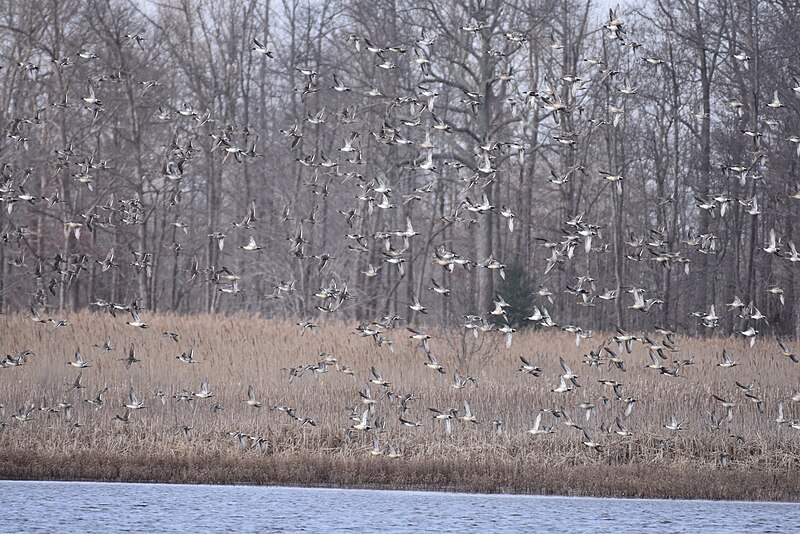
[752,457]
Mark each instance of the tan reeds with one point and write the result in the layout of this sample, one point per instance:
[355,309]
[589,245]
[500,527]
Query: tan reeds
[234,352]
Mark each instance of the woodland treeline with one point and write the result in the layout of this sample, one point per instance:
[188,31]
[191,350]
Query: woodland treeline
[632,163]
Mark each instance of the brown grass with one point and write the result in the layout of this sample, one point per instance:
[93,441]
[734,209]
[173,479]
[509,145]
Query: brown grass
[236,351]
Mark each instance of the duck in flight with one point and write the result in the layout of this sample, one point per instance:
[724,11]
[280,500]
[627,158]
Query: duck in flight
[251,398]
[131,359]
[537,429]
[79,361]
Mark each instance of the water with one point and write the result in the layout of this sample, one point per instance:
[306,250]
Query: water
[104,507]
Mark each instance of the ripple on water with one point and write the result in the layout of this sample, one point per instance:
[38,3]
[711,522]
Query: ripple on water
[150,507]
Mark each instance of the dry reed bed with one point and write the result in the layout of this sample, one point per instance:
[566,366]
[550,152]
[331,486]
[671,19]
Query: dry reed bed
[234,352]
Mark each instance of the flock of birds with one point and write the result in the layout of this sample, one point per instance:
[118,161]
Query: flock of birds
[372,413]
[378,195]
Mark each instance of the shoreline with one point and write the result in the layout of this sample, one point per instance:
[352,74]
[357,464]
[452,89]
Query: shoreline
[682,482]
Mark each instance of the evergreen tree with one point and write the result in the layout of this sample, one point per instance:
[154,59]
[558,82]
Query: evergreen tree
[517,290]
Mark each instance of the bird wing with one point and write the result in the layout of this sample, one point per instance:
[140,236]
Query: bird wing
[375,374]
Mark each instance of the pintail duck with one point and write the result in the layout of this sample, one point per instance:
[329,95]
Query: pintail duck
[537,429]
[363,423]
[98,398]
[727,362]
[135,320]
[673,424]
[133,401]
[131,359]
[433,364]
[79,361]
[187,357]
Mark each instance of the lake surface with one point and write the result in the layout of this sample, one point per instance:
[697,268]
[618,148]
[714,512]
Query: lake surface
[117,507]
